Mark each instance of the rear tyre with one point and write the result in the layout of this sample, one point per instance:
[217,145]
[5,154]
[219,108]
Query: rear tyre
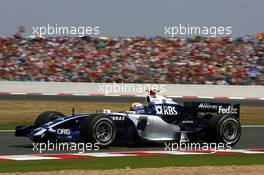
[98,129]
[47,116]
[225,129]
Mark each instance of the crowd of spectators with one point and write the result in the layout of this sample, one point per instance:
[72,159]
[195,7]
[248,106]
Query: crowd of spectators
[195,60]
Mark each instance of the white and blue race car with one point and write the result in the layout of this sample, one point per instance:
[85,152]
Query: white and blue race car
[162,120]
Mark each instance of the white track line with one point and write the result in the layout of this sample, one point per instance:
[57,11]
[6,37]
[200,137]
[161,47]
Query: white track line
[237,98]
[252,126]
[27,157]
[7,130]
[18,93]
[206,97]
[80,94]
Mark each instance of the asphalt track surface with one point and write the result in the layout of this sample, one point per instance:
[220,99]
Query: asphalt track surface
[252,137]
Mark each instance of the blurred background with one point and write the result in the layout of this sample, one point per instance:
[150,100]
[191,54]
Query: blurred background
[131,46]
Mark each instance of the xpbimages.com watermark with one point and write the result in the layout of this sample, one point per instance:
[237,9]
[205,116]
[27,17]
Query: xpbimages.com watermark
[187,146]
[189,30]
[126,88]
[65,146]
[63,30]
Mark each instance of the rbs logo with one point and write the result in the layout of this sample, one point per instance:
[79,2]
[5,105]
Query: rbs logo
[165,110]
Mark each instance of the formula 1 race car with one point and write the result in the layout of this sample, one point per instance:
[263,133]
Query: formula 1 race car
[162,120]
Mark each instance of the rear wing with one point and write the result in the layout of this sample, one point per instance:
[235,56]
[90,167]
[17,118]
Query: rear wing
[220,108]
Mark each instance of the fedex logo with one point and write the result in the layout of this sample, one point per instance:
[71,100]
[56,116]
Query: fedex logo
[228,110]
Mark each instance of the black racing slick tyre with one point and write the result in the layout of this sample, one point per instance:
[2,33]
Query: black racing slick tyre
[225,129]
[98,129]
[46,117]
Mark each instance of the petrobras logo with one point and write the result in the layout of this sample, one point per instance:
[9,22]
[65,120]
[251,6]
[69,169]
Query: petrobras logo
[207,106]
[227,110]
[165,110]
[63,131]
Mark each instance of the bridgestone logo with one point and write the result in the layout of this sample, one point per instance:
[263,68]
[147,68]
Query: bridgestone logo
[228,110]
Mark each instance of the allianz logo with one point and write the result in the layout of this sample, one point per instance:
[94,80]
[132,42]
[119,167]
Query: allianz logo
[207,106]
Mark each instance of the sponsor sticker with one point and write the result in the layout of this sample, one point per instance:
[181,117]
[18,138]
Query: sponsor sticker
[165,110]
[119,118]
[63,131]
[227,110]
[207,106]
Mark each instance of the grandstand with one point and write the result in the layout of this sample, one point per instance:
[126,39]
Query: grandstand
[196,60]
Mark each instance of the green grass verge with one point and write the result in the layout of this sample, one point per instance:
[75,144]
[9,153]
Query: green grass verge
[22,112]
[131,162]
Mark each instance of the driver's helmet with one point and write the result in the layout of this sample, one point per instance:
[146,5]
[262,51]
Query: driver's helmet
[137,107]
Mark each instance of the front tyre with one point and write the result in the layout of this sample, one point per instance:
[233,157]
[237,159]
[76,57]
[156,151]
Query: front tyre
[46,117]
[98,129]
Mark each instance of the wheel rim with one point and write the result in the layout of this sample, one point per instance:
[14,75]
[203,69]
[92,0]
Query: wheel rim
[103,131]
[230,130]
